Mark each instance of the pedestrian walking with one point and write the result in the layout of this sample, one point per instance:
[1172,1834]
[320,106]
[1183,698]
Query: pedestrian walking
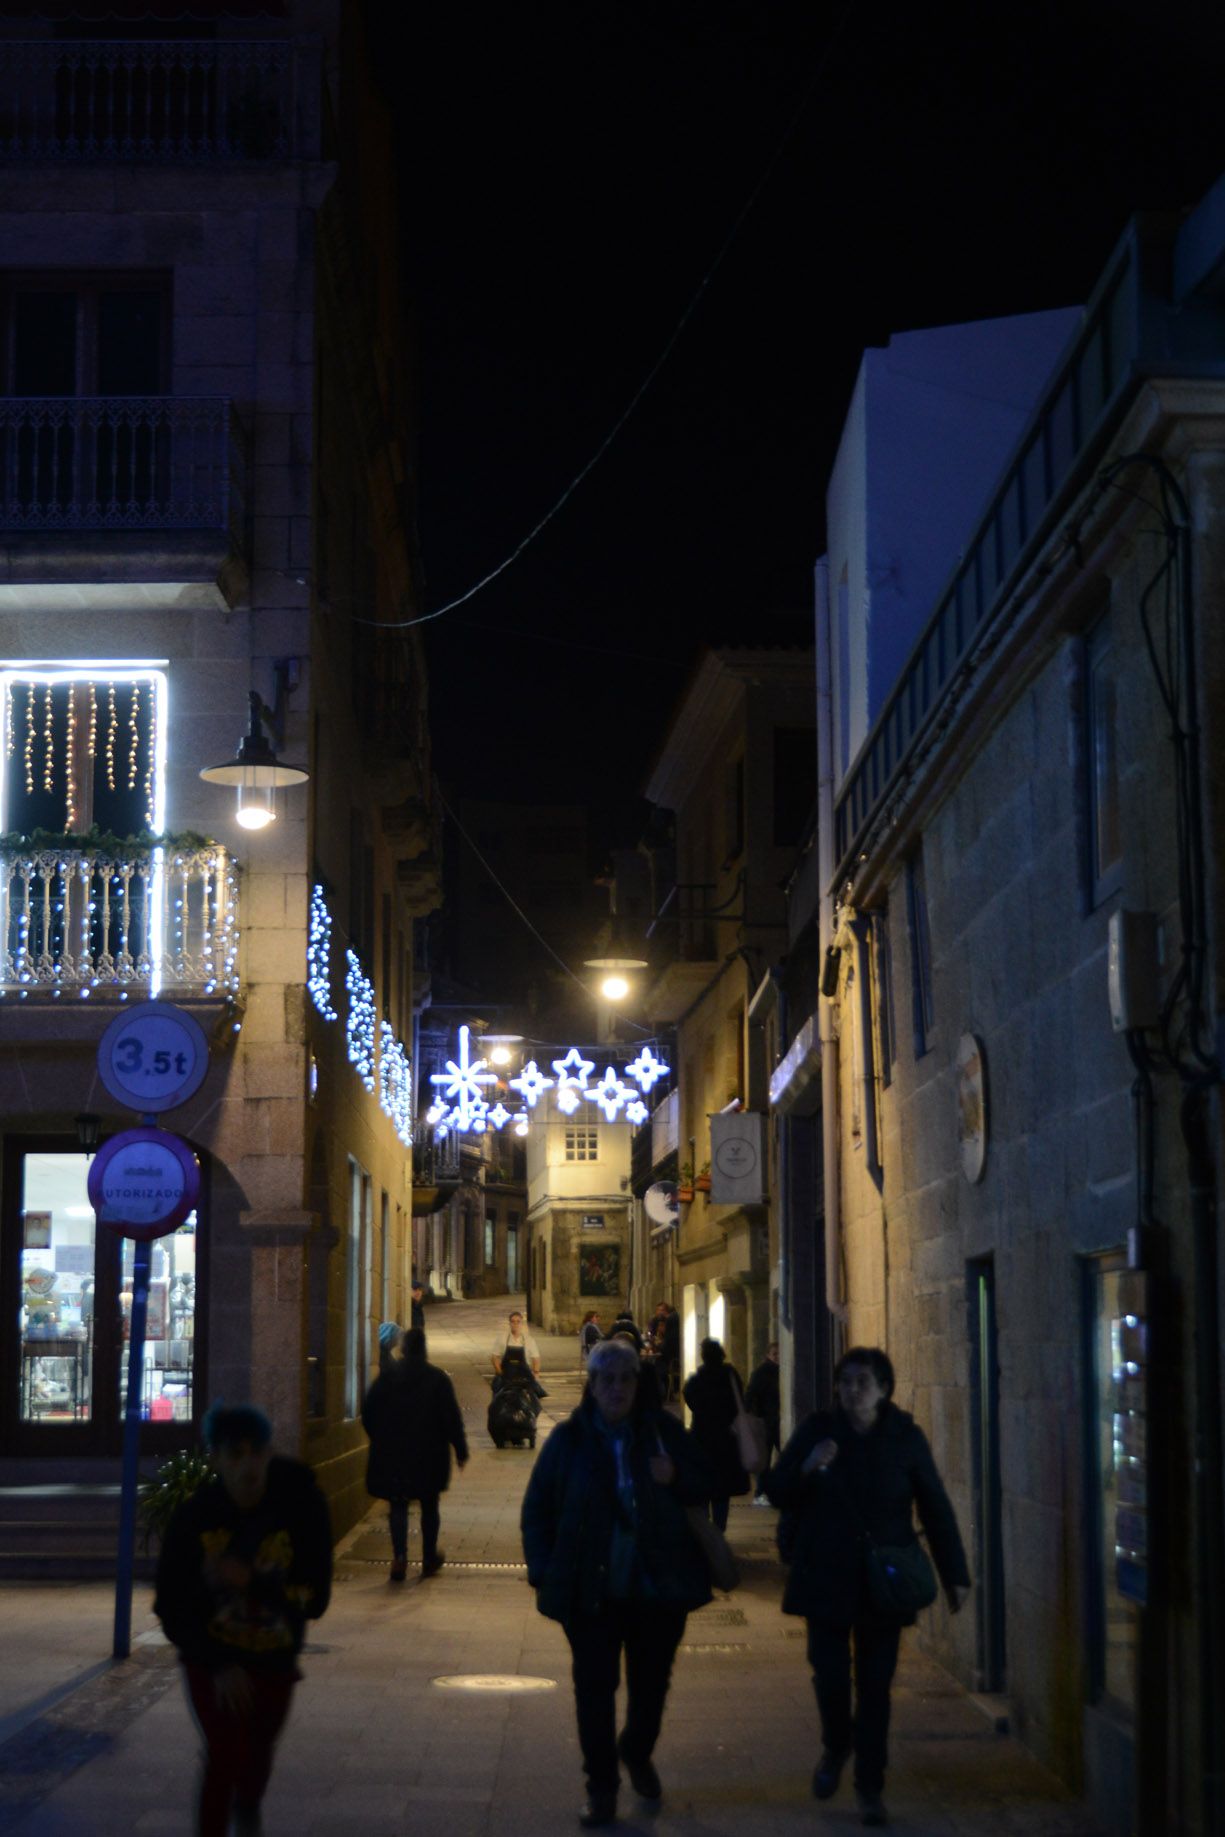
[762,1398]
[416,1316]
[611,1556]
[666,1336]
[624,1323]
[711,1397]
[390,1335]
[847,1482]
[589,1335]
[412,1418]
[245,1562]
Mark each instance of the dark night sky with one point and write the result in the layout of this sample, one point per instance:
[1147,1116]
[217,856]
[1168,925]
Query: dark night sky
[569,173]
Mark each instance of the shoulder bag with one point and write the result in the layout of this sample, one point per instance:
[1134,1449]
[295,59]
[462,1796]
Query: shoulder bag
[752,1441]
[900,1577]
[720,1559]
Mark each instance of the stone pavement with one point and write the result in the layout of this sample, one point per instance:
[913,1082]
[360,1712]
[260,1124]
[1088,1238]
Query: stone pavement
[378,1743]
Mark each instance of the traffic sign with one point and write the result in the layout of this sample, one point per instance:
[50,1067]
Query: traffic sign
[144,1183]
[153,1057]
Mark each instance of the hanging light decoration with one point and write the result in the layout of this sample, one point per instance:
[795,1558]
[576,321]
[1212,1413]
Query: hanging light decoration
[29,746]
[93,721]
[48,742]
[133,735]
[70,758]
[112,724]
[150,761]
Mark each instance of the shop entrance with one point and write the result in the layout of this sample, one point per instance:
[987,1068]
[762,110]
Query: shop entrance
[66,1295]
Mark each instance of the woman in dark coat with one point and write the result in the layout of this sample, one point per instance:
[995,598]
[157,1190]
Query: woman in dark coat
[413,1421]
[848,1476]
[611,1555]
[710,1396]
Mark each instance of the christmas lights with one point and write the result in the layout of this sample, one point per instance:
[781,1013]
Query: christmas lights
[461,1082]
[395,1083]
[574,1069]
[70,772]
[150,758]
[48,743]
[610,1094]
[319,955]
[9,738]
[111,725]
[134,735]
[360,1023]
[646,1069]
[29,746]
[568,1099]
[636,1111]
[531,1083]
[93,721]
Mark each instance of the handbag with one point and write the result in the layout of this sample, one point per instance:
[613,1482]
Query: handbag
[900,1577]
[720,1560]
[752,1441]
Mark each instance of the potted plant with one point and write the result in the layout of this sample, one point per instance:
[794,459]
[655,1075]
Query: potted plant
[684,1185]
[175,1481]
[702,1182]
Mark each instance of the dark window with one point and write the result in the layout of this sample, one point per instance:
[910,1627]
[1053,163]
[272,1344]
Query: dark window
[795,783]
[90,335]
[920,955]
[1104,827]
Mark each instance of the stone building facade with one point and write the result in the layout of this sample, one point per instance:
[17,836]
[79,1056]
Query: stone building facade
[207,493]
[1022,1200]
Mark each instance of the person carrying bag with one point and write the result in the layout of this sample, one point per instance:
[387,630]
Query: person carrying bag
[750,1432]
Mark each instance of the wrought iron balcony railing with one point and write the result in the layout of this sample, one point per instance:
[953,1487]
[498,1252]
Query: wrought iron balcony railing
[191,101]
[79,922]
[119,463]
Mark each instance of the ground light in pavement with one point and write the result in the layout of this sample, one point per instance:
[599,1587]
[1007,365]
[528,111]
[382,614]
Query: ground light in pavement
[493,1680]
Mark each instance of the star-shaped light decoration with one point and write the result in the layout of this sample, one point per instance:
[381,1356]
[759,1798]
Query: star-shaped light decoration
[569,1097]
[531,1083]
[574,1069]
[437,1113]
[462,1082]
[636,1111]
[610,1094]
[646,1069]
[499,1116]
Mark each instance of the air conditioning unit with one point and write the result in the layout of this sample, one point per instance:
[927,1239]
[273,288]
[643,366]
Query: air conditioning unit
[737,1158]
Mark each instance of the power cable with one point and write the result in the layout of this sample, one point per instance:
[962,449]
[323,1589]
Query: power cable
[695,300]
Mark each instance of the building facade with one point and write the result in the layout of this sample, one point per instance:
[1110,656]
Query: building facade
[207,494]
[1020,1074]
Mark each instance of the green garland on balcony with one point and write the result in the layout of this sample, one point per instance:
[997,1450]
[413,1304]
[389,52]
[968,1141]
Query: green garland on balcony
[14,846]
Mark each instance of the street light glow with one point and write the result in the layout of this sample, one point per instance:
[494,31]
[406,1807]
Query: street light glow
[614,988]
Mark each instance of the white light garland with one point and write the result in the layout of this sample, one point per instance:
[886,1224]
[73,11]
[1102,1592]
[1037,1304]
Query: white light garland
[646,1069]
[360,1024]
[531,1083]
[469,1113]
[319,955]
[395,1083]
[610,1094]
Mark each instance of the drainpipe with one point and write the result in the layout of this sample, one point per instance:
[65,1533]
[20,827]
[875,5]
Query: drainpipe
[825,862]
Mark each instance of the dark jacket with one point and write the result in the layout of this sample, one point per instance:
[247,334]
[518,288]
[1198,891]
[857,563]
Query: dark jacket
[237,1588]
[413,1421]
[710,1396]
[762,1396]
[873,1482]
[570,1508]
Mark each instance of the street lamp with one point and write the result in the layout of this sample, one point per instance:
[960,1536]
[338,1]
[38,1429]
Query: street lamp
[615,974]
[256,771]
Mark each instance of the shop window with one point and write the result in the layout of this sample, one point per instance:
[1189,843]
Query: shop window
[1113,1622]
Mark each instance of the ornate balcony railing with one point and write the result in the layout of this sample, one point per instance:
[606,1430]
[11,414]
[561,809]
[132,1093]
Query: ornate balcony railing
[119,462]
[80,922]
[170,100]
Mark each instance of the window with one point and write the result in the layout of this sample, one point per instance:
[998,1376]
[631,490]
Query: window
[795,783]
[491,1235]
[358,1298]
[86,335]
[1113,1628]
[83,750]
[583,1143]
[884,997]
[920,955]
[1104,831]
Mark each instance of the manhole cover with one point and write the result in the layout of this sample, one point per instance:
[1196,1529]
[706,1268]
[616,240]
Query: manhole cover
[493,1680]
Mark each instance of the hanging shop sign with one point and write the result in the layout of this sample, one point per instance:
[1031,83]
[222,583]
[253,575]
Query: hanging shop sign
[144,1183]
[153,1057]
[462,1105]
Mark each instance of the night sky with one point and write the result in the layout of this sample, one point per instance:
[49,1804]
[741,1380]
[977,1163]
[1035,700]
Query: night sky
[570,172]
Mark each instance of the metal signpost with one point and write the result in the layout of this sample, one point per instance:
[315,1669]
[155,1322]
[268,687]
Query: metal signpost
[144,1183]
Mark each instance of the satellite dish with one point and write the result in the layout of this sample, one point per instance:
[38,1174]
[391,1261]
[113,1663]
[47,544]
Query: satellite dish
[661,1203]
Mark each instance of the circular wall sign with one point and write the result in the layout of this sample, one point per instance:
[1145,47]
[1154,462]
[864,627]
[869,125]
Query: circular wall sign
[144,1183]
[972,1106]
[153,1057]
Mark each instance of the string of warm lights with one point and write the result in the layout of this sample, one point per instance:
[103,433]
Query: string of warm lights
[93,721]
[9,737]
[134,735]
[112,724]
[70,758]
[29,746]
[150,760]
[48,742]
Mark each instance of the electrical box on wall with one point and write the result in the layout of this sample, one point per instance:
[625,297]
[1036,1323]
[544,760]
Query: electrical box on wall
[737,1158]
[1133,970]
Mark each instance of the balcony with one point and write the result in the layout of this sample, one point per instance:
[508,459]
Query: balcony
[119,487]
[437,1172]
[168,101]
[81,923]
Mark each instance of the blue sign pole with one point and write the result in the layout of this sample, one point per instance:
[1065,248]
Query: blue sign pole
[141,1263]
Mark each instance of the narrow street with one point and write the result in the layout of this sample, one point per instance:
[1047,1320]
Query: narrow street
[377,1740]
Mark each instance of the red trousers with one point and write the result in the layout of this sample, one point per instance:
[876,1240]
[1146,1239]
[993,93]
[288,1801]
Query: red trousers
[237,1758]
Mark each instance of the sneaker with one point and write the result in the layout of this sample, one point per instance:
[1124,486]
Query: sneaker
[827,1773]
[600,1808]
[399,1569]
[433,1564]
[871,1807]
[643,1777]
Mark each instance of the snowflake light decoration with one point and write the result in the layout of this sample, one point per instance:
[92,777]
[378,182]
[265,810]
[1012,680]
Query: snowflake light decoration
[461,1083]
[610,1094]
[646,1069]
[636,1111]
[531,1083]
